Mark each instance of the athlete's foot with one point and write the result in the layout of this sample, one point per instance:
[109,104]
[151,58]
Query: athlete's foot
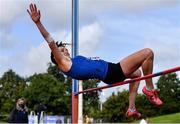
[133,113]
[152,96]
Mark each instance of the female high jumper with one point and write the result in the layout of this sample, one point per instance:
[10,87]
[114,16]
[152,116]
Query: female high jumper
[82,68]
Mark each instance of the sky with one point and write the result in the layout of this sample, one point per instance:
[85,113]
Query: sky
[109,29]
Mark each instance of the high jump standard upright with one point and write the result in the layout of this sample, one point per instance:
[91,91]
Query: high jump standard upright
[75,31]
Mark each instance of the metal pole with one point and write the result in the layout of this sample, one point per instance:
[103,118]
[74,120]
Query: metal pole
[74,53]
[80,104]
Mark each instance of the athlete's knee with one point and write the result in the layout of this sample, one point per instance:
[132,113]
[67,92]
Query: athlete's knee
[149,52]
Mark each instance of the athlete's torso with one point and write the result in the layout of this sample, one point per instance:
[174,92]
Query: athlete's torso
[84,68]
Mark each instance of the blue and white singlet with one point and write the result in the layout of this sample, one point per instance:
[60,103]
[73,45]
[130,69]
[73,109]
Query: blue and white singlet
[84,68]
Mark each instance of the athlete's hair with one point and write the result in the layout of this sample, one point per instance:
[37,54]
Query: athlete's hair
[61,44]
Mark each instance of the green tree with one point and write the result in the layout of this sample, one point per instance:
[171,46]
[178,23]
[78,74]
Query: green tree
[144,106]
[90,99]
[46,89]
[67,81]
[11,88]
[115,107]
[169,91]
[54,70]
[168,87]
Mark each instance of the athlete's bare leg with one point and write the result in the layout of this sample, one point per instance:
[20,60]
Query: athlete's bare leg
[133,88]
[143,58]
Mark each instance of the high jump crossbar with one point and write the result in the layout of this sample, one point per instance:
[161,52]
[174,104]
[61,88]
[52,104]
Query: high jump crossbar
[131,80]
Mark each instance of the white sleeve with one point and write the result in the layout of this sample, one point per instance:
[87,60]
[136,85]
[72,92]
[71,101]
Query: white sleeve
[49,39]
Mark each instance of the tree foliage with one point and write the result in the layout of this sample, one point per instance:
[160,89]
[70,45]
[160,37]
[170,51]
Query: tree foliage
[11,88]
[168,87]
[46,89]
[115,107]
[53,70]
[66,81]
[169,90]
[54,90]
[91,99]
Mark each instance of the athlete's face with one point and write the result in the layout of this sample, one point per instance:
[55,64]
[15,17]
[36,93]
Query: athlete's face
[64,51]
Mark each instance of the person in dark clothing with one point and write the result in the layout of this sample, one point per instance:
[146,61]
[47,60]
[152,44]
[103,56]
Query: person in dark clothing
[59,121]
[40,108]
[19,113]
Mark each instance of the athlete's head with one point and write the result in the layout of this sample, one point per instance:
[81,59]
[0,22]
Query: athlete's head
[62,48]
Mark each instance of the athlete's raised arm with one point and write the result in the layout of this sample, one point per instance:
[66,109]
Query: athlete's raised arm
[35,16]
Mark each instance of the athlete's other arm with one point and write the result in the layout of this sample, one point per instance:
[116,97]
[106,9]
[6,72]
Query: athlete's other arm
[35,16]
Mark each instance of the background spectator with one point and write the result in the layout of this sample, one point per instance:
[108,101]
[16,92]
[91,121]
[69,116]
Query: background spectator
[19,113]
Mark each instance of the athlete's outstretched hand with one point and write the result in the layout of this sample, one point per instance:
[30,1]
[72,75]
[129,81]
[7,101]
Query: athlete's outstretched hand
[34,13]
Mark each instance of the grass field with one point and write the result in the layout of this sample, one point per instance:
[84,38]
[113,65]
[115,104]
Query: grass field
[171,118]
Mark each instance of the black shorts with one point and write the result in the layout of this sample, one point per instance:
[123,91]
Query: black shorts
[114,74]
